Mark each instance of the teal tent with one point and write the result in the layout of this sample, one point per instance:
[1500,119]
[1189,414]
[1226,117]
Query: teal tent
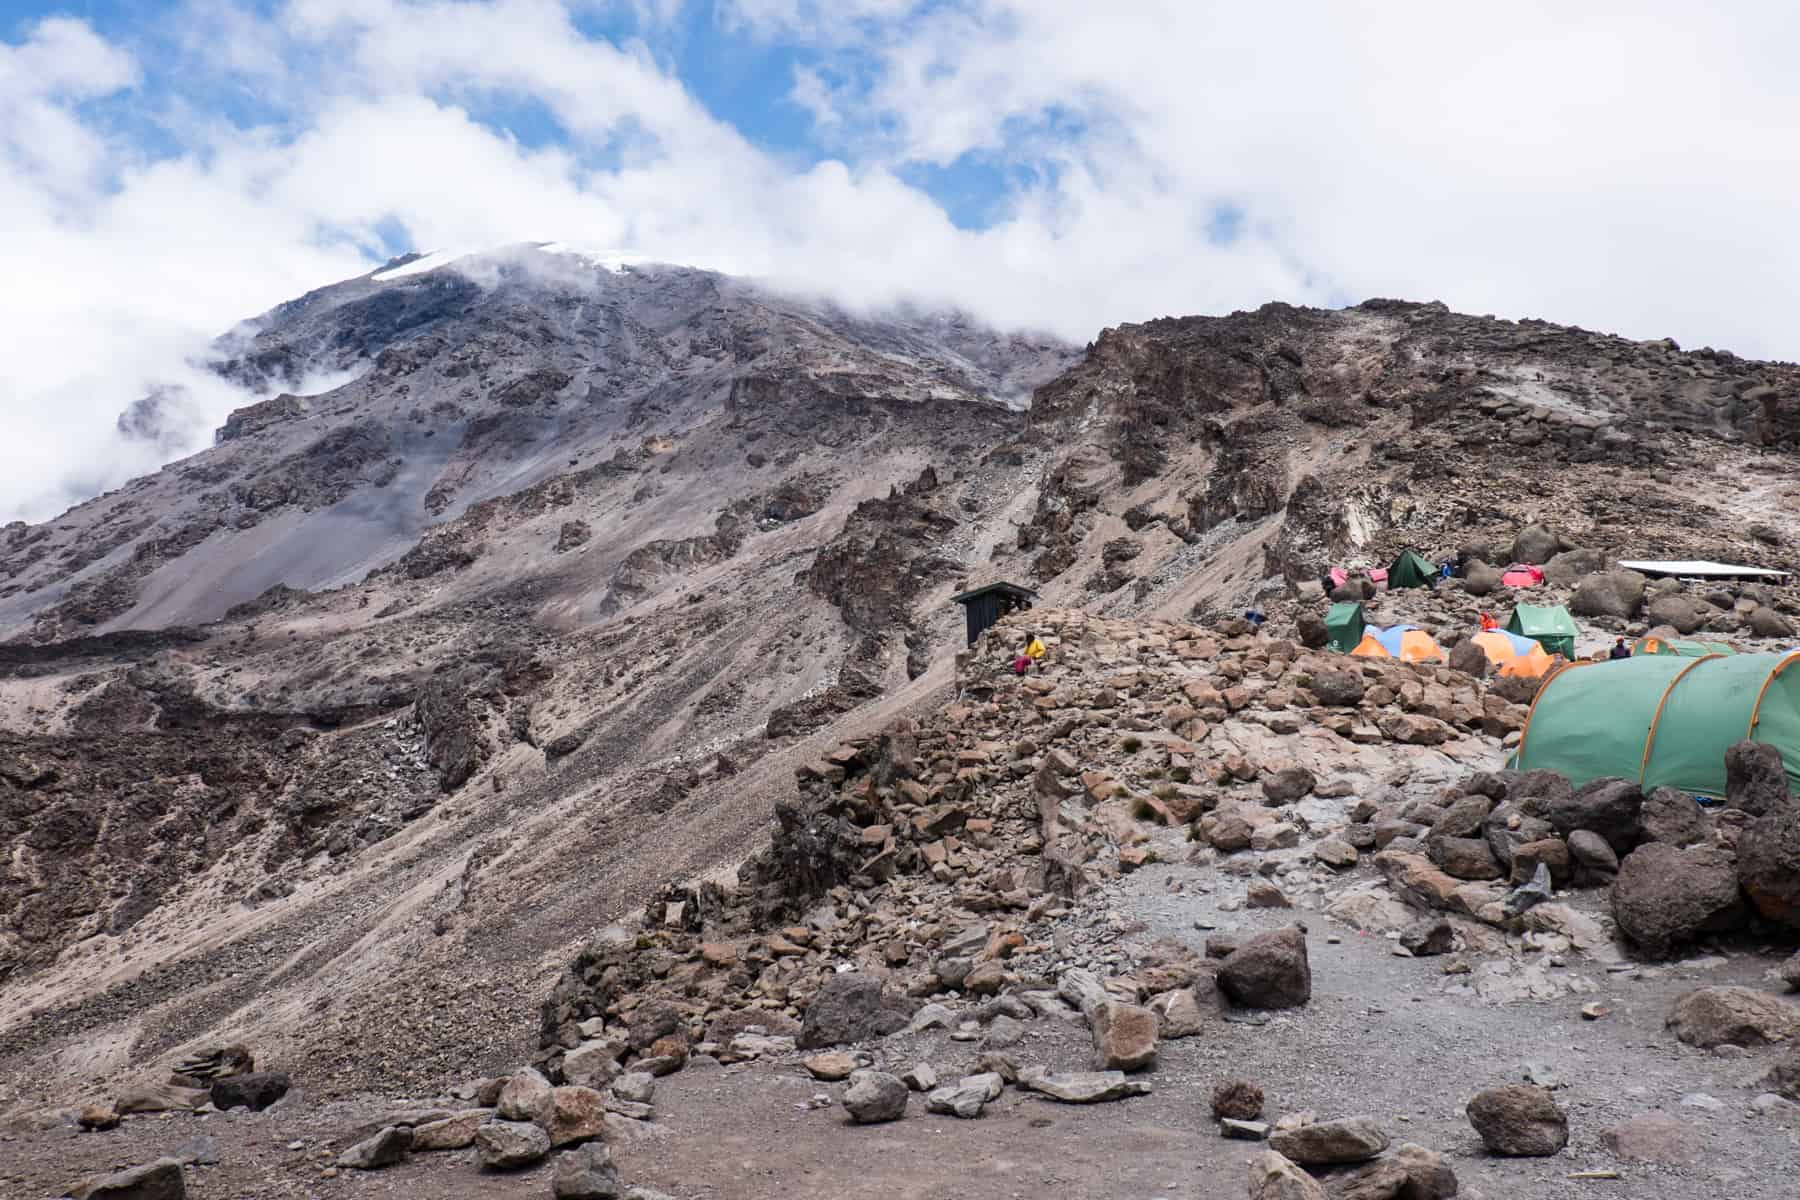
[1549,625]
[1345,625]
[1662,720]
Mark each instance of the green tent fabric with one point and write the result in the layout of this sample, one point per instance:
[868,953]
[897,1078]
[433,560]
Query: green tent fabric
[1345,624]
[1549,625]
[1411,571]
[1662,720]
[1680,647]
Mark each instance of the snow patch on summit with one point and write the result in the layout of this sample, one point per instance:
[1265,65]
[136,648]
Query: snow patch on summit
[604,257]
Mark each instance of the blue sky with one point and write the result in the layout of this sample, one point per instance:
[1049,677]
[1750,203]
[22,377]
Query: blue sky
[170,168]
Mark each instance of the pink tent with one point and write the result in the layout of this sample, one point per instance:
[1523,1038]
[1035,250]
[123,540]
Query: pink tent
[1522,575]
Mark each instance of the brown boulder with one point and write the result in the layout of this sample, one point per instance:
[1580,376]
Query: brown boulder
[1273,1177]
[1124,1037]
[1664,896]
[1269,971]
[1519,1121]
[1737,1016]
[1237,1099]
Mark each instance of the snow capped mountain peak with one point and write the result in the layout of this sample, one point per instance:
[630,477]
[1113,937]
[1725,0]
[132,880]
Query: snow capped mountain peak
[605,258]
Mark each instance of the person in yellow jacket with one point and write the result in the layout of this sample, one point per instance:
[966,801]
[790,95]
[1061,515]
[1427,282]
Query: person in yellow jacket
[1033,651]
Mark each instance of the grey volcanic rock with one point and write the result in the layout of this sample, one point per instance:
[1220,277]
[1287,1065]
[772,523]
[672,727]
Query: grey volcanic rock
[852,1008]
[160,1180]
[875,1096]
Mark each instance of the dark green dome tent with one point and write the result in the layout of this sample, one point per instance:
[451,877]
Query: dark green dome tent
[1345,625]
[1662,720]
[1411,571]
[1549,625]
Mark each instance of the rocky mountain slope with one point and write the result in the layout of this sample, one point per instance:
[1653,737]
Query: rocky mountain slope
[342,736]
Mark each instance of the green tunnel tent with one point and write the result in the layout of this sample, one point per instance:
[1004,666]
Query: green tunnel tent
[1662,720]
[1549,625]
[1681,647]
[1344,625]
[1411,570]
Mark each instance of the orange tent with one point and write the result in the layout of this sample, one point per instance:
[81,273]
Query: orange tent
[1401,642]
[1514,655]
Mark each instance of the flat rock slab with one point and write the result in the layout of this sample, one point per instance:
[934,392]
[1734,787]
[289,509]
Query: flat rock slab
[1083,1087]
[160,1180]
[1323,1143]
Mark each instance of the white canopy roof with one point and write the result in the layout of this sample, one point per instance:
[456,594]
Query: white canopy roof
[1702,570]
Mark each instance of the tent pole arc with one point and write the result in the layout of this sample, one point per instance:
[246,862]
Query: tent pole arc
[1656,718]
[1543,690]
[1756,709]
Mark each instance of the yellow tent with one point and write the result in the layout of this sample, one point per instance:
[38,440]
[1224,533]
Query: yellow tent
[1512,654]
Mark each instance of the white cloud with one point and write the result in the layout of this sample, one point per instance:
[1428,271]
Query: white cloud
[1625,167]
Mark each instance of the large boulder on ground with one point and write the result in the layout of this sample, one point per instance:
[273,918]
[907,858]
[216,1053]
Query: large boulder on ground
[1428,1176]
[1273,1177]
[1608,594]
[1769,864]
[1288,785]
[1339,689]
[1765,622]
[585,1173]
[1480,579]
[1269,971]
[1681,614]
[1325,1143]
[508,1145]
[255,1091]
[1665,896]
[1737,1016]
[160,1180]
[1536,544]
[874,1097]
[577,1114]
[1124,1036]
[1608,807]
[1671,817]
[1571,565]
[852,1007]
[526,1097]
[1470,659]
[1310,627]
[1519,1121]
[385,1148]
[1463,858]
[1756,779]
[454,1132]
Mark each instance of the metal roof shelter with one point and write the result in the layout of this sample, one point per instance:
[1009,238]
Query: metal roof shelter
[1699,569]
[985,605]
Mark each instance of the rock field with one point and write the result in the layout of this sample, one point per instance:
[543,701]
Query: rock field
[549,765]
